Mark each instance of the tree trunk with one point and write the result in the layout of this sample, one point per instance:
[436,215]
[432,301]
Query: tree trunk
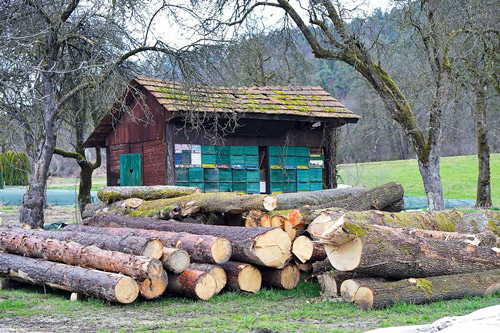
[285,278]
[139,246]
[262,246]
[192,283]
[418,291]
[153,288]
[483,197]
[175,260]
[217,272]
[242,277]
[432,182]
[111,194]
[366,248]
[332,137]
[295,200]
[108,286]
[307,250]
[72,253]
[201,248]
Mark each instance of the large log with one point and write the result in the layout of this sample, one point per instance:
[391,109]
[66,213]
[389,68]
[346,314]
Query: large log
[216,271]
[306,249]
[73,253]
[116,193]
[395,253]
[262,246]
[108,286]
[140,246]
[153,288]
[242,277]
[192,283]
[175,260]
[314,198]
[418,291]
[285,278]
[201,248]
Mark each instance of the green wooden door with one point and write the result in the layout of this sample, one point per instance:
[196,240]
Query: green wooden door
[130,170]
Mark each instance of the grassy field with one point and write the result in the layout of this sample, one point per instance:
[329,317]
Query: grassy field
[459,175]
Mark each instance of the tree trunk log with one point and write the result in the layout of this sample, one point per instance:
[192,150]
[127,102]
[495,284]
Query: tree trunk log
[483,194]
[262,246]
[153,288]
[201,248]
[295,200]
[418,291]
[349,287]
[217,272]
[322,266]
[116,193]
[307,267]
[242,277]
[192,283]
[388,252]
[108,286]
[139,246]
[307,250]
[175,260]
[328,285]
[73,253]
[285,278]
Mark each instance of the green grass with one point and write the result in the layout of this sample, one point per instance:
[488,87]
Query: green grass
[459,175]
[72,183]
[302,309]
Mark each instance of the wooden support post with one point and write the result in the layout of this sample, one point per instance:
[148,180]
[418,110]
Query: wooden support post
[331,136]
[169,154]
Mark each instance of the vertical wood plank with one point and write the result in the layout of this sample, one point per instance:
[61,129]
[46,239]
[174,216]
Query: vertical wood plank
[169,153]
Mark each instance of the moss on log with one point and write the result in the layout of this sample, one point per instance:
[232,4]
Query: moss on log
[116,193]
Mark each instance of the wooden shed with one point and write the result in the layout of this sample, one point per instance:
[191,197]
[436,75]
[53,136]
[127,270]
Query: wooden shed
[167,133]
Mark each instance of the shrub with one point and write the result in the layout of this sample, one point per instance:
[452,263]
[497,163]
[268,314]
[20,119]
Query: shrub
[15,168]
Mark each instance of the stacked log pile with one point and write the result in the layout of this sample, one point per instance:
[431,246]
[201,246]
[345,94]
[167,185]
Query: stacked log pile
[151,241]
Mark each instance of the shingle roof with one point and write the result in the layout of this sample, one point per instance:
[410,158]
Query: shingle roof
[303,101]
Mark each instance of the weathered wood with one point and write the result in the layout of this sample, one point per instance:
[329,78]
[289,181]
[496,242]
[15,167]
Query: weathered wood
[216,271]
[140,246]
[418,291]
[328,285]
[262,246]
[349,287]
[153,288]
[116,193]
[286,278]
[108,286]
[366,248]
[175,260]
[192,283]
[314,198]
[73,253]
[201,248]
[242,277]
[305,249]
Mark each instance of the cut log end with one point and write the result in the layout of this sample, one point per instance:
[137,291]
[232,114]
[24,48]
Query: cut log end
[302,248]
[154,249]
[152,288]
[154,268]
[220,278]
[221,250]
[126,290]
[328,285]
[363,298]
[493,289]
[250,279]
[345,257]
[205,286]
[273,248]
[348,289]
[269,202]
[290,277]
[175,260]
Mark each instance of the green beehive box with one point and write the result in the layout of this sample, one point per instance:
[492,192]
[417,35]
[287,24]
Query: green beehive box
[277,187]
[253,187]
[211,186]
[276,175]
[225,186]
[209,150]
[290,162]
[252,150]
[225,175]
[195,174]
[237,150]
[182,183]
[290,187]
[290,175]
[182,174]
[226,150]
[315,175]
[302,162]
[302,186]
[239,175]
[208,159]
[253,175]
[302,151]
[276,160]
[252,161]
[211,175]
[315,186]
[290,151]
[200,185]
[303,176]
[237,159]
[222,159]
[240,187]
[275,151]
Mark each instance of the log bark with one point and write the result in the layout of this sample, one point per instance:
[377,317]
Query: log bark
[379,198]
[108,286]
[242,277]
[349,287]
[175,260]
[216,271]
[388,252]
[419,291]
[73,253]
[201,248]
[111,194]
[307,250]
[140,246]
[314,198]
[153,288]
[322,266]
[192,283]
[285,278]
[262,246]
[307,267]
